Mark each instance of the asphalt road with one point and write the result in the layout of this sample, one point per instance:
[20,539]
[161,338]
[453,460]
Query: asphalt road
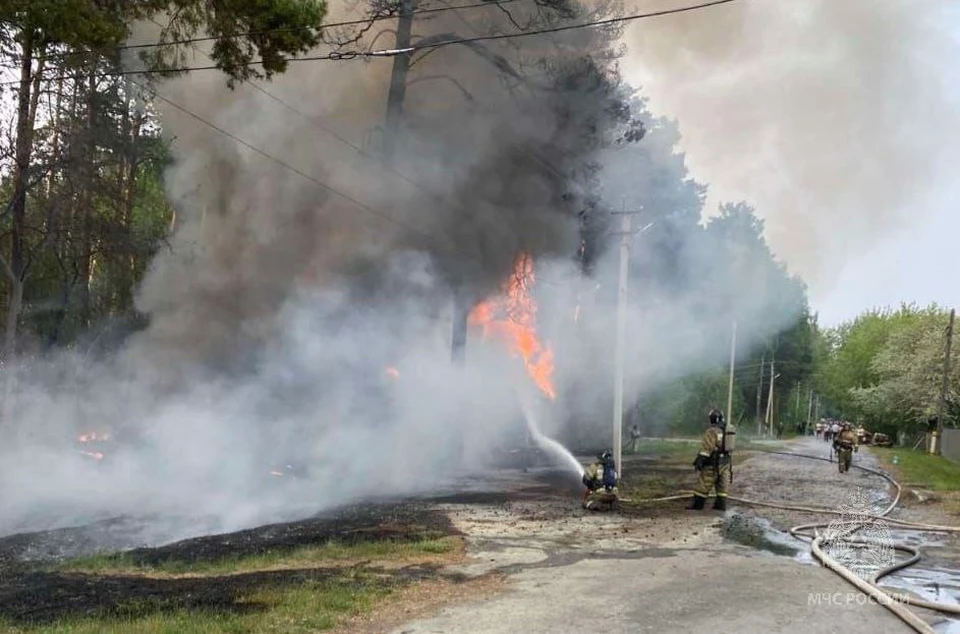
[668,571]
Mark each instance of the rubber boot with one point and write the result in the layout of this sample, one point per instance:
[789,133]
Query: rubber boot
[720,504]
[697,503]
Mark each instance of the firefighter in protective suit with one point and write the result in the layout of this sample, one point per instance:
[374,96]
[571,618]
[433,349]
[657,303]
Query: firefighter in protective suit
[714,463]
[600,478]
[845,444]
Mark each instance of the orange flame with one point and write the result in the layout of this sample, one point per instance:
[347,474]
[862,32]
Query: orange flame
[512,318]
[92,437]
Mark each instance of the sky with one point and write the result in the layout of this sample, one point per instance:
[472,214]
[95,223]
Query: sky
[837,120]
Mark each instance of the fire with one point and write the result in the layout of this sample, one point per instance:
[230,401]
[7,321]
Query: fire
[512,317]
[393,373]
[92,437]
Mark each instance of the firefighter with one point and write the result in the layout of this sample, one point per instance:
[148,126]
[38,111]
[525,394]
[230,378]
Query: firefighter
[714,463]
[601,480]
[845,444]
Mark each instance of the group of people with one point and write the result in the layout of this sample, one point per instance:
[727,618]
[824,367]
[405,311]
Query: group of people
[714,465]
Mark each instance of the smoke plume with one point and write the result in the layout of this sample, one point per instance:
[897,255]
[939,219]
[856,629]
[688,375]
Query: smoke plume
[832,118]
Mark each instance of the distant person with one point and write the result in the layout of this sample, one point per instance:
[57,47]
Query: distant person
[779,430]
[835,430]
[634,438]
[714,463]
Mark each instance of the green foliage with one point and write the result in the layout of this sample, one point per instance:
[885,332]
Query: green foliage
[885,367]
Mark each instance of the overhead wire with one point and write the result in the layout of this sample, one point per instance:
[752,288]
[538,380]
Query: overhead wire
[354,54]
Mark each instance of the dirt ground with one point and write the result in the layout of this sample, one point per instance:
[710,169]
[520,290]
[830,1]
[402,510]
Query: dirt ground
[534,561]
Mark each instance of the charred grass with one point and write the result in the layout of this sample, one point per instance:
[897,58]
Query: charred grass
[300,577]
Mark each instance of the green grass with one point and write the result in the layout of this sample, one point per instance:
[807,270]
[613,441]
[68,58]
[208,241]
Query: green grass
[920,467]
[303,557]
[308,607]
[272,603]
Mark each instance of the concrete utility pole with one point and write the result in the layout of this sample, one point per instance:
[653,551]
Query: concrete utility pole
[773,379]
[763,363]
[619,361]
[733,353]
[942,404]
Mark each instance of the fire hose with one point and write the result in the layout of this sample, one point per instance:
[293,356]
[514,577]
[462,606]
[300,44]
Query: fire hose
[893,601]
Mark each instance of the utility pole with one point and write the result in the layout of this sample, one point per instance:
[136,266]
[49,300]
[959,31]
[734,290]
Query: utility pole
[763,363]
[935,446]
[733,353]
[773,378]
[460,308]
[619,361]
[810,410]
[398,80]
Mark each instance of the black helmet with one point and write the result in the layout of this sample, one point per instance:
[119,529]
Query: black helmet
[716,417]
[606,455]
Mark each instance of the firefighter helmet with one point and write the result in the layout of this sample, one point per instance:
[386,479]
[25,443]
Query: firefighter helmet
[716,417]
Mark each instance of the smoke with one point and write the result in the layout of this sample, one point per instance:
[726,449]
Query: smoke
[832,118]
[300,271]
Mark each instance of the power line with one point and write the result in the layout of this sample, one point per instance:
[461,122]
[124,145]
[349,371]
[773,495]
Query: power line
[293,29]
[295,170]
[350,55]
[555,29]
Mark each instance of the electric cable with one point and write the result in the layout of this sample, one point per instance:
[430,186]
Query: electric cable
[354,54]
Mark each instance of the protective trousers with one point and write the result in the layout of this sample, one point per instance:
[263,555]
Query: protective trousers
[711,478]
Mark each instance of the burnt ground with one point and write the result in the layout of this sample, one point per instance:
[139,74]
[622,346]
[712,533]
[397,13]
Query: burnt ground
[526,524]
[33,592]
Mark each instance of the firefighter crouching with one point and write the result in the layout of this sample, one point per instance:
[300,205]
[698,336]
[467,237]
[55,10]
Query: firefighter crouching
[600,478]
[845,444]
[714,463]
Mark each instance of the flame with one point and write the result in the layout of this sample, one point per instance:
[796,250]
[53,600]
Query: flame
[92,437]
[512,318]
[393,373]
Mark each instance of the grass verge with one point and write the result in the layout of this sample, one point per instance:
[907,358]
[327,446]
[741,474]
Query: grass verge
[304,589]
[915,466]
[332,552]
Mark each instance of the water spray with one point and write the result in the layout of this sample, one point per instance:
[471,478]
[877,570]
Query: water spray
[560,453]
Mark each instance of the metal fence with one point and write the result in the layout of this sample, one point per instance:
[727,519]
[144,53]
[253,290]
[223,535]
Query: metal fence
[950,444]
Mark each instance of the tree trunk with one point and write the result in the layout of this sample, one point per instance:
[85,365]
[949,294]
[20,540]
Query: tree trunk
[18,205]
[86,201]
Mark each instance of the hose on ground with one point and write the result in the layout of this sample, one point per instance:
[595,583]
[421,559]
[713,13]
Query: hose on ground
[893,601]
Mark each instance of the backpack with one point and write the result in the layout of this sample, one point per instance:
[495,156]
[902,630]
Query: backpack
[609,474]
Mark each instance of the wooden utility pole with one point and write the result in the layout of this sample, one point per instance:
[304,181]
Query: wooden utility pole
[398,80]
[460,305]
[935,446]
[796,410]
[763,362]
[733,353]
